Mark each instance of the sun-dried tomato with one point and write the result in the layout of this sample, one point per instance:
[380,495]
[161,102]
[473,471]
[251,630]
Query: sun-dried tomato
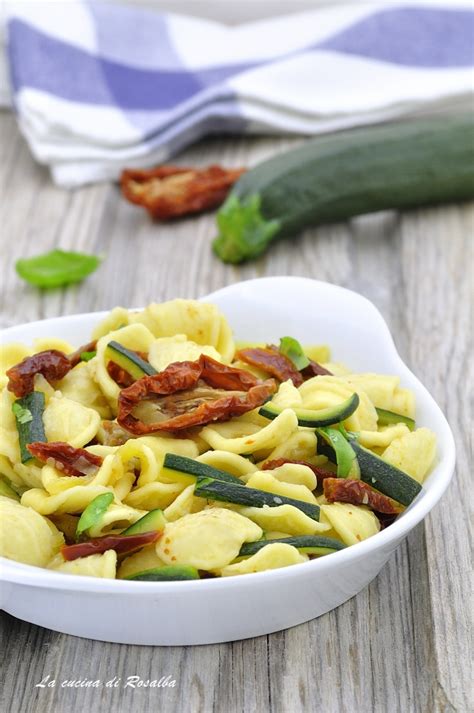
[186,394]
[271,360]
[359,493]
[53,364]
[75,356]
[121,377]
[315,369]
[122,544]
[172,191]
[69,460]
[320,473]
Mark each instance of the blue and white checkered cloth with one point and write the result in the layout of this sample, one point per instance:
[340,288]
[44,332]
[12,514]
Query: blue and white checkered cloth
[99,86]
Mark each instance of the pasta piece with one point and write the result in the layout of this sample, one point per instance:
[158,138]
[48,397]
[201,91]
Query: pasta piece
[317,352]
[79,385]
[404,402]
[137,455]
[264,480]
[297,474]
[269,557]
[287,396]
[208,540]
[201,322]
[414,453]
[135,337]
[284,518]
[9,444]
[269,437]
[140,561]
[166,350]
[185,503]
[230,462]
[11,354]
[116,319]
[28,476]
[103,565]
[54,481]
[301,445]
[353,523]
[116,518]
[325,391]
[26,536]
[74,500]
[154,495]
[383,437]
[42,344]
[70,421]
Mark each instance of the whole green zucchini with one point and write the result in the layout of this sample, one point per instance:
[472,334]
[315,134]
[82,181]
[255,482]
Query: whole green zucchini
[353,172]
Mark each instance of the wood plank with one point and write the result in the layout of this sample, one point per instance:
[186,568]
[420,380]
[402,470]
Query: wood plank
[402,643]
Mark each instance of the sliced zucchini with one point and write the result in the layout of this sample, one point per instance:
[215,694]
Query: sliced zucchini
[384,476]
[182,464]
[153,520]
[387,418]
[169,573]
[93,513]
[230,493]
[340,451]
[128,360]
[7,491]
[310,544]
[312,418]
[28,412]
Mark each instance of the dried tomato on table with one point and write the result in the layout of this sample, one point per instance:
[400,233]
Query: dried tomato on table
[122,544]
[172,191]
[66,458]
[357,492]
[190,393]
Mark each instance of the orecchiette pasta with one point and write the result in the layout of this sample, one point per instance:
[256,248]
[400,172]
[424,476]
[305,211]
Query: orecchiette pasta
[198,489]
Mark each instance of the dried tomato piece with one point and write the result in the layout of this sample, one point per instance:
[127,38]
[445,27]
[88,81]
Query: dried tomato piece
[75,357]
[315,369]
[122,544]
[69,460]
[186,396]
[359,493]
[53,364]
[320,473]
[172,191]
[271,360]
[120,376]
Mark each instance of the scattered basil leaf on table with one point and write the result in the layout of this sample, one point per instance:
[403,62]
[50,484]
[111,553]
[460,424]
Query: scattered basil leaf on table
[56,268]
[292,349]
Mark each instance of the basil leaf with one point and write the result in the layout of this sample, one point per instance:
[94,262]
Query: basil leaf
[56,268]
[87,356]
[22,414]
[345,456]
[293,350]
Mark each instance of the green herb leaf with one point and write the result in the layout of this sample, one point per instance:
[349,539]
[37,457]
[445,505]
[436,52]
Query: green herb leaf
[243,231]
[22,414]
[93,513]
[56,268]
[293,350]
[87,356]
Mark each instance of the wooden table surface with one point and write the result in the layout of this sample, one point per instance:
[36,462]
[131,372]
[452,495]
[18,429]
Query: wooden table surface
[402,643]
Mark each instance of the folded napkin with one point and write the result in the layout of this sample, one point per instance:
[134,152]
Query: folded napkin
[98,86]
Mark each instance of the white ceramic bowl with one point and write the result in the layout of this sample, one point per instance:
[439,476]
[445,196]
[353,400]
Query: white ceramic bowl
[217,610]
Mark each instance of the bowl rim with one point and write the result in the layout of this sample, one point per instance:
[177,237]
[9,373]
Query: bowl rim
[28,575]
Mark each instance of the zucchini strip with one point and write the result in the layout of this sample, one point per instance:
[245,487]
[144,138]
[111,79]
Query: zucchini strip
[344,455]
[312,418]
[225,492]
[128,360]
[310,544]
[28,412]
[387,418]
[182,464]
